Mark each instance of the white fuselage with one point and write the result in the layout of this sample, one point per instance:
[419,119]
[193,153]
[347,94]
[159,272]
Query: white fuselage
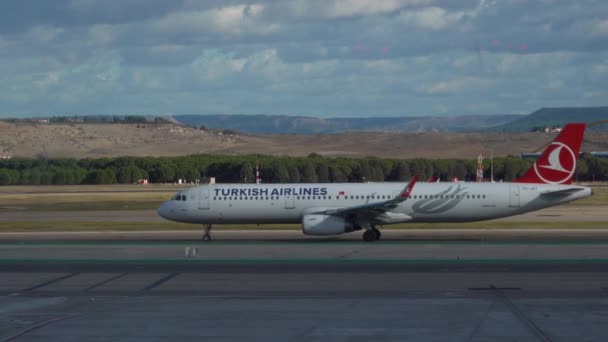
[429,202]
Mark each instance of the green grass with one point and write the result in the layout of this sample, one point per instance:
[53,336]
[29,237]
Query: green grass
[21,226]
[85,202]
[110,198]
[599,197]
[91,206]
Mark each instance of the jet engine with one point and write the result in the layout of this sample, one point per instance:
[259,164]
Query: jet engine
[319,224]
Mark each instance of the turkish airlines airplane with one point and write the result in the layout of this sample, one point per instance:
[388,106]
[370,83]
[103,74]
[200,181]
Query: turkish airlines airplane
[329,209]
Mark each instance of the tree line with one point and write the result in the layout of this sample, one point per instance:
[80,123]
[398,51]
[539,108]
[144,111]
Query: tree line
[106,119]
[241,169]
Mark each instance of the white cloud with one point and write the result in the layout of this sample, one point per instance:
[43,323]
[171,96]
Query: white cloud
[456,86]
[511,63]
[600,28]
[102,34]
[44,34]
[230,20]
[431,18]
[346,8]
[47,80]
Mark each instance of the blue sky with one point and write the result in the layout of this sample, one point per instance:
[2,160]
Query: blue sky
[302,57]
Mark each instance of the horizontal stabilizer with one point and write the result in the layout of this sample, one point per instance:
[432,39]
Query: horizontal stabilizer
[559,193]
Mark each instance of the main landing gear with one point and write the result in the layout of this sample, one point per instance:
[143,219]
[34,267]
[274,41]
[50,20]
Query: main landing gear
[207,234]
[372,234]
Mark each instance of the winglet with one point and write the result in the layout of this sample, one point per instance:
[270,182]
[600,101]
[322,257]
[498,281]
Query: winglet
[408,189]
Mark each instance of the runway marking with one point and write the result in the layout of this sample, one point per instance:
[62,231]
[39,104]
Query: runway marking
[105,281]
[37,326]
[535,329]
[159,282]
[49,282]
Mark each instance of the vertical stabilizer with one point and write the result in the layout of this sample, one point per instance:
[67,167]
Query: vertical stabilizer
[557,163]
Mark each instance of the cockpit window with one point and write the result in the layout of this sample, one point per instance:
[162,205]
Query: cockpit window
[179,197]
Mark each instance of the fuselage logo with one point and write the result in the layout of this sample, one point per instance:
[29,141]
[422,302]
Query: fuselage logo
[557,164]
[440,202]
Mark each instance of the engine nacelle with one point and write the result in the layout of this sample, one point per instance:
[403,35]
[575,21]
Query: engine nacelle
[318,224]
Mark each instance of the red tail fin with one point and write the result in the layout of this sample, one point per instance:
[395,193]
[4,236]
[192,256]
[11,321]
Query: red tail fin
[557,163]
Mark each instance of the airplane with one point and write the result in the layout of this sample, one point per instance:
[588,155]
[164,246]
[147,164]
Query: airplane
[338,208]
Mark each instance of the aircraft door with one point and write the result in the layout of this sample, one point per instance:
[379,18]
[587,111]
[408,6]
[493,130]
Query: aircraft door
[203,202]
[290,202]
[514,200]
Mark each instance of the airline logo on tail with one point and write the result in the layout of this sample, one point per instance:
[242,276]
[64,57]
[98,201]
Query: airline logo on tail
[558,162]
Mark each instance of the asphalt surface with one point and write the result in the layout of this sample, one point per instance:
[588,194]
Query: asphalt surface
[247,286]
[252,236]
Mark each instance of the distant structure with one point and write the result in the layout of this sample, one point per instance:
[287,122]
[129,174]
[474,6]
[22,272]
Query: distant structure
[553,130]
[142,181]
[479,177]
[258,180]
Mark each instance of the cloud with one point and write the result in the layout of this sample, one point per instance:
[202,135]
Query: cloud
[432,18]
[230,20]
[316,57]
[457,86]
[332,9]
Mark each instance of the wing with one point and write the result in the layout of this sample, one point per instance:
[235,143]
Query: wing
[371,210]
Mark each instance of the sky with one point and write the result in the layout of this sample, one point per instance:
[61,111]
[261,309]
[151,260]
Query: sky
[326,58]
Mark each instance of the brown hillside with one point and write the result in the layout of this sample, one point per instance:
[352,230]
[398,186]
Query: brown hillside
[107,140]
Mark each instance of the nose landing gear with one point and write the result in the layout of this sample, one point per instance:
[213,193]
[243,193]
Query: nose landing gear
[207,230]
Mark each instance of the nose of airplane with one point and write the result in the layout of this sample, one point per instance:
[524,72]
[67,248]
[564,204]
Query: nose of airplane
[163,210]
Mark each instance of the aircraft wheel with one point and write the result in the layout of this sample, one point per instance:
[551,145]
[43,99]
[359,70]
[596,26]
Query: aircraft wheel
[369,236]
[377,233]
[207,237]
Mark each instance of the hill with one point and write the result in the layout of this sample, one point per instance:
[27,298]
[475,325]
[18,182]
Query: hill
[112,140]
[551,117]
[284,124]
